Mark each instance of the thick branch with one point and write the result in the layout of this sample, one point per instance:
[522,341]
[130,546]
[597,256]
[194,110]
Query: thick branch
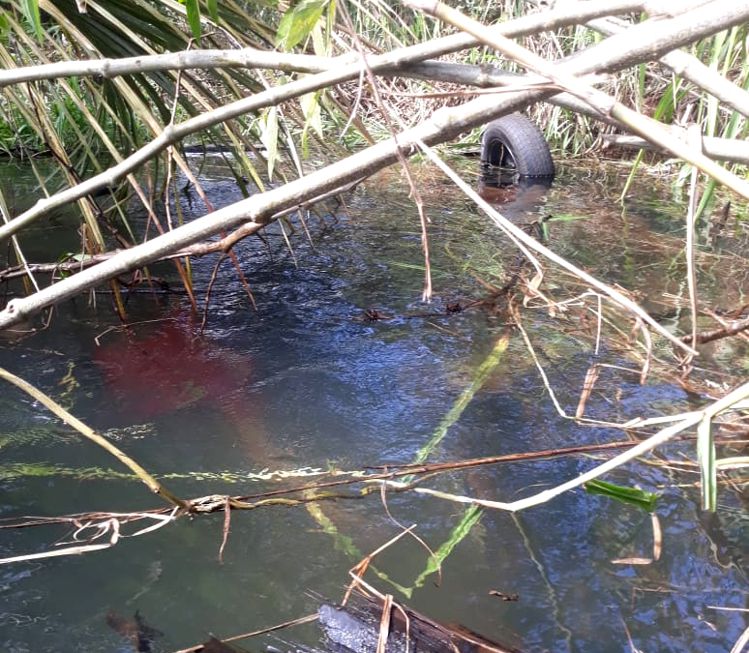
[486,77]
[186,60]
[640,124]
[274,96]
[725,149]
[252,58]
[692,69]
[257,210]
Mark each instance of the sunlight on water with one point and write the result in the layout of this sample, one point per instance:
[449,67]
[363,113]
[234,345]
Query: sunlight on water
[310,382]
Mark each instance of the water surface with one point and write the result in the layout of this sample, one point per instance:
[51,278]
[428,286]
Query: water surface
[308,381]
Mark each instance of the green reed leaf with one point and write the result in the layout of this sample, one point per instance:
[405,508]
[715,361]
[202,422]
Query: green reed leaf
[629,495]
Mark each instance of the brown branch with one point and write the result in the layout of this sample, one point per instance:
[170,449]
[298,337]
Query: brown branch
[89,433]
[731,329]
[217,502]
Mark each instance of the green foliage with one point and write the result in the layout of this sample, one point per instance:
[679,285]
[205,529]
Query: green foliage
[212,6]
[33,18]
[18,135]
[269,137]
[480,376]
[297,23]
[4,27]
[628,495]
[470,518]
[312,112]
[193,17]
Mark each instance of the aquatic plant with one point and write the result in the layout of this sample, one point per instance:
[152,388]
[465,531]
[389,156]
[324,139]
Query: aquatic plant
[111,87]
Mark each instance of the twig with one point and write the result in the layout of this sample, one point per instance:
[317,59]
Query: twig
[359,569]
[384,631]
[418,538]
[688,420]
[225,530]
[526,243]
[741,642]
[286,624]
[111,525]
[529,346]
[89,433]
[731,329]
[695,140]
[209,289]
[591,376]
[414,191]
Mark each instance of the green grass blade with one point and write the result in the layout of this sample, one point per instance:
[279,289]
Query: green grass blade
[31,13]
[706,459]
[212,7]
[346,545]
[567,217]
[482,373]
[470,518]
[193,17]
[628,495]
[297,23]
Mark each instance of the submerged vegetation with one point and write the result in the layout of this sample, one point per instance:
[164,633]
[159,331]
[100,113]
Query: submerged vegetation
[107,101]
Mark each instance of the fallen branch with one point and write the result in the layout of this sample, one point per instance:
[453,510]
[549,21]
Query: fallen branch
[689,68]
[689,420]
[89,433]
[259,209]
[725,149]
[571,14]
[319,491]
[185,60]
[731,329]
[274,96]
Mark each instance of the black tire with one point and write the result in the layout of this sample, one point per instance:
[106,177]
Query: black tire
[514,142]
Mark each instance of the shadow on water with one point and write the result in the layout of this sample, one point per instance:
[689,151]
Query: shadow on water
[309,380]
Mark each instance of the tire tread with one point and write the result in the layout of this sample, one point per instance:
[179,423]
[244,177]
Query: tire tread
[524,140]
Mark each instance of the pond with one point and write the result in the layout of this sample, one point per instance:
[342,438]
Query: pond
[312,380]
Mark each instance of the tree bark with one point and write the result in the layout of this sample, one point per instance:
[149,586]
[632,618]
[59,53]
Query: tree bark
[274,96]
[444,125]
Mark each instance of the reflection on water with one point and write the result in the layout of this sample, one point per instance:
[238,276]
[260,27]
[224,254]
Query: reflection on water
[518,199]
[308,381]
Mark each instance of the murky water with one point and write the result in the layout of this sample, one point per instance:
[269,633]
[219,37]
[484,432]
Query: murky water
[307,381]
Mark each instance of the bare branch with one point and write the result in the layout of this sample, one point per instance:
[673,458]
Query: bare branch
[692,69]
[274,96]
[646,127]
[259,209]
